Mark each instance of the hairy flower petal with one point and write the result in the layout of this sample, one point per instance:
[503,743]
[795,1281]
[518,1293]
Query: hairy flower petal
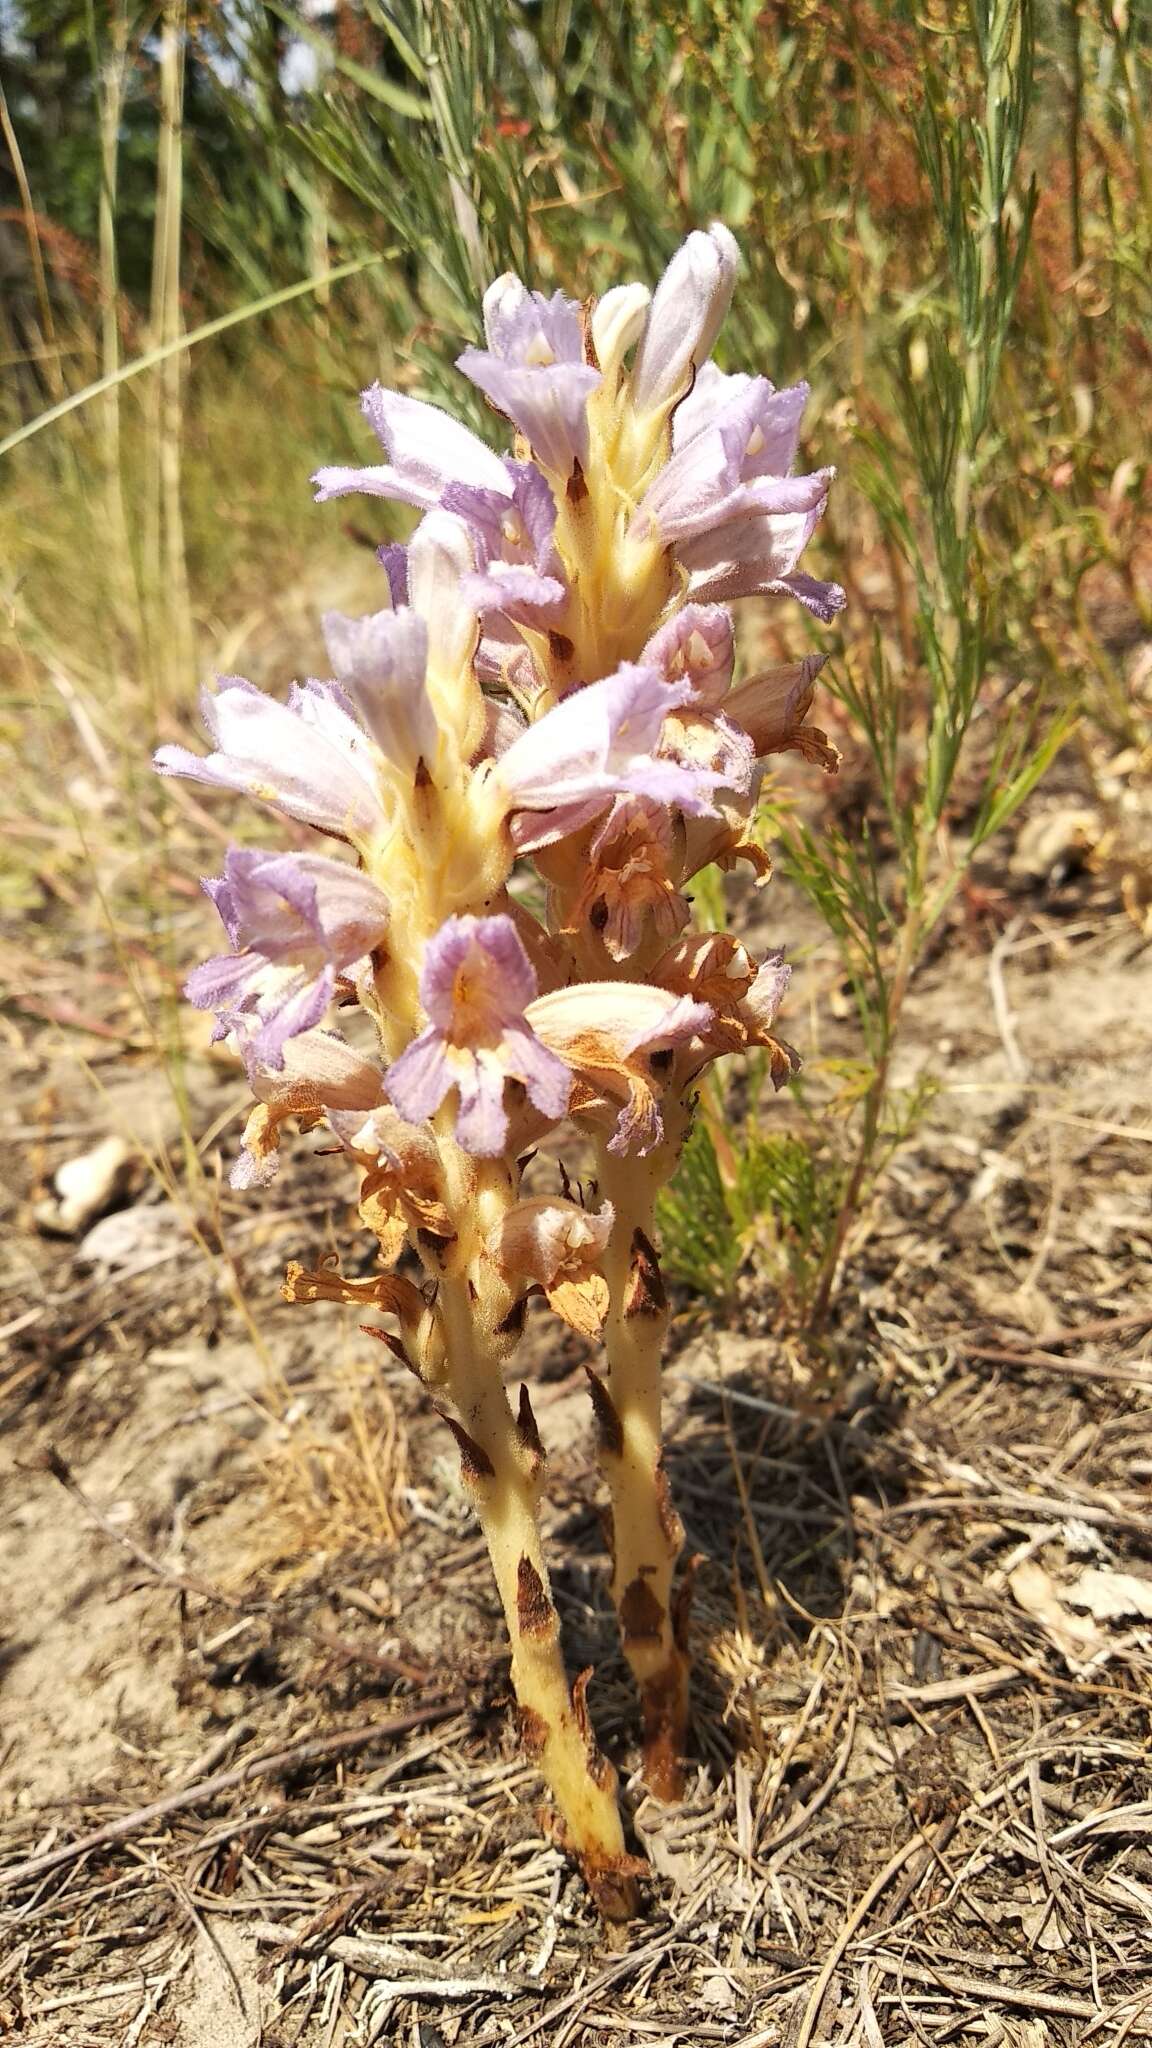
[772,707]
[686,314]
[607,1031]
[441,558]
[300,907]
[757,557]
[628,888]
[294,920]
[427,450]
[597,743]
[533,370]
[744,997]
[617,321]
[476,983]
[695,645]
[557,1245]
[381,662]
[737,466]
[518,570]
[309,758]
[320,1071]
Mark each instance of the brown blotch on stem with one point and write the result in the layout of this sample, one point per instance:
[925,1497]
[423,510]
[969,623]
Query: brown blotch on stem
[600,1770]
[641,1615]
[534,1610]
[526,1427]
[475,1464]
[644,1295]
[671,1525]
[512,1325]
[533,1732]
[421,778]
[608,1425]
[576,489]
[434,1243]
[560,646]
[664,1702]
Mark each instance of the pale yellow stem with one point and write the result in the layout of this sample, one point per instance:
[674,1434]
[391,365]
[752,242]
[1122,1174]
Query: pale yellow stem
[646,1531]
[502,1464]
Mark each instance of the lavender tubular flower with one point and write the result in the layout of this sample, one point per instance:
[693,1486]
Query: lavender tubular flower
[307,757]
[427,450]
[533,370]
[599,743]
[546,678]
[476,985]
[685,317]
[294,920]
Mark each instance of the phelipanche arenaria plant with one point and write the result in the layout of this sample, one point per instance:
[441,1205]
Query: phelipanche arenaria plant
[523,758]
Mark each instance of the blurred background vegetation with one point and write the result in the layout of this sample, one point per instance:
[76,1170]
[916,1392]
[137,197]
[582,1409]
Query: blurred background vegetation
[217,223]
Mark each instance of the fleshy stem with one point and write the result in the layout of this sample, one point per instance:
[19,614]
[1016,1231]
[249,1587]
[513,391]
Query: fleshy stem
[502,1465]
[647,1535]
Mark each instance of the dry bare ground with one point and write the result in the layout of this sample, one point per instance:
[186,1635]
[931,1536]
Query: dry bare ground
[258,1777]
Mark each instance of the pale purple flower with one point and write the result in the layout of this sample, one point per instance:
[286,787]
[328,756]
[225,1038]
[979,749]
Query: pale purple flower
[441,560]
[725,500]
[308,758]
[426,448]
[476,984]
[711,394]
[294,920]
[534,371]
[735,467]
[598,743]
[381,662]
[704,740]
[686,314]
[518,570]
[758,558]
[696,644]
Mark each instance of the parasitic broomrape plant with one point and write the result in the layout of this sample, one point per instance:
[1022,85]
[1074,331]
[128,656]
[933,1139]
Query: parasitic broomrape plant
[547,684]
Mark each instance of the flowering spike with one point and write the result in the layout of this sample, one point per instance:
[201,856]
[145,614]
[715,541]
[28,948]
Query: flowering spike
[547,677]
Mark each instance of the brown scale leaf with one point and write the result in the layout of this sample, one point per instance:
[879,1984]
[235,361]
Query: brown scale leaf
[526,1426]
[535,1613]
[670,1523]
[475,1464]
[608,1427]
[644,1295]
[642,1617]
[533,1732]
